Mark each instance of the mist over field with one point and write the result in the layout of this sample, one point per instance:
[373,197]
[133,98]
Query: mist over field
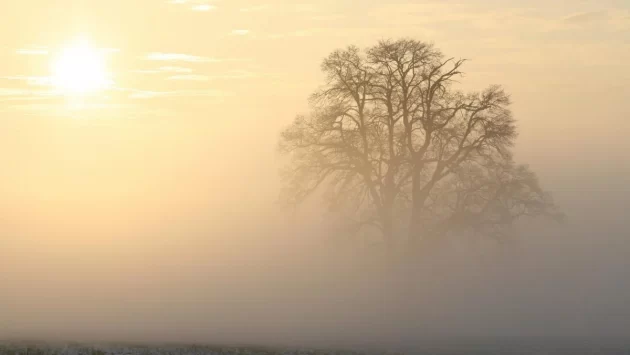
[149,210]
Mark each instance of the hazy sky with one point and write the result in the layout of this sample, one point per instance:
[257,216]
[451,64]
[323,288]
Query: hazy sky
[184,142]
[195,80]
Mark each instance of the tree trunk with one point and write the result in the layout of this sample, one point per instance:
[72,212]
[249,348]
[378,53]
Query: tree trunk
[419,195]
[417,204]
[388,228]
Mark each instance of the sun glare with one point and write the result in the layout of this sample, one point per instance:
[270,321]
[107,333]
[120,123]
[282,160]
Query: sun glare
[80,69]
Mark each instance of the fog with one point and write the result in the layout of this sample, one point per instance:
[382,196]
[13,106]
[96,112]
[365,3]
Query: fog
[230,266]
[158,220]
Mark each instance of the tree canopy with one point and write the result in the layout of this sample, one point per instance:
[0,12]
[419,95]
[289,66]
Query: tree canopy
[397,147]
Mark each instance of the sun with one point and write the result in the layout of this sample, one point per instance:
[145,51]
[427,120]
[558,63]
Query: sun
[80,69]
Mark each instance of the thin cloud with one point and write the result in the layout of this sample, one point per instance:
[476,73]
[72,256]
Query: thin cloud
[187,2]
[203,7]
[32,51]
[15,94]
[164,69]
[148,94]
[178,57]
[329,17]
[176,70]
[27,97]
[235,74]
[10,92]
[30,80]
[286,8]
[144,94]
[195,5]
[191,77]
[282,8]
[240,32]
[586,17]
[147,71]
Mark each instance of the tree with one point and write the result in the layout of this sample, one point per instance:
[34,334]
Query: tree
[397,146]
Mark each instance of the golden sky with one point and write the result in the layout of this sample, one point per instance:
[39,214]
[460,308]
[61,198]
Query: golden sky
[200,89]
[178,151]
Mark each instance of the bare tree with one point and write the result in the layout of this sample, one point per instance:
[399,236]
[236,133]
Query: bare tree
[390,136]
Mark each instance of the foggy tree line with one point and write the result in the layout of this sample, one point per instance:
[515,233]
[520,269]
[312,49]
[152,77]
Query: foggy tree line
[394,146]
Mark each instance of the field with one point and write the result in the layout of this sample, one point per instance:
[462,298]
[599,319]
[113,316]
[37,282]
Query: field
[21,348]
[454,346]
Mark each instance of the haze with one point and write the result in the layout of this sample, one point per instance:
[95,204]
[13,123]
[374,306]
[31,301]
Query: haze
[146,210]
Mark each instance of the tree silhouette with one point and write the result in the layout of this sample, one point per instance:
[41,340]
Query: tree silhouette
[397,147]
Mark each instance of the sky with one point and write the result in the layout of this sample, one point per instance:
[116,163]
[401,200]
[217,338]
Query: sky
[177,158]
